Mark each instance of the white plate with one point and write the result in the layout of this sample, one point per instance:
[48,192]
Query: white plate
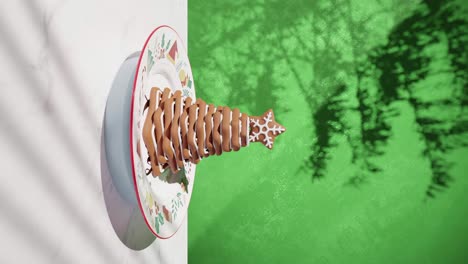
[163,200]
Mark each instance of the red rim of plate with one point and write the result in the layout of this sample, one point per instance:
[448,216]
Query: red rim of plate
[131,129]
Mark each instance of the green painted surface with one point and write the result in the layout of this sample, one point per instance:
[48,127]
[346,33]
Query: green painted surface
[373,165]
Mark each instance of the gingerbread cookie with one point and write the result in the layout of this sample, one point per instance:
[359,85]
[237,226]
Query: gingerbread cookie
[200,128]
[209,130]
[216,134]
[177,131]
[235,138]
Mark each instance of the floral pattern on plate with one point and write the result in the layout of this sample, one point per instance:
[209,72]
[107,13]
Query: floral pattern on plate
[163,200]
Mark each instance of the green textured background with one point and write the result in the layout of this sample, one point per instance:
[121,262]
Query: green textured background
[373,165]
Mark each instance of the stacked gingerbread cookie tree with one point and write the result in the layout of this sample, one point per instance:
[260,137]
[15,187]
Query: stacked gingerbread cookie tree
[177,130]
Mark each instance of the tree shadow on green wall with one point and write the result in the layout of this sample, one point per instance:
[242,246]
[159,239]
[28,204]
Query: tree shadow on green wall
[424,48]
[244,52]
[350,88]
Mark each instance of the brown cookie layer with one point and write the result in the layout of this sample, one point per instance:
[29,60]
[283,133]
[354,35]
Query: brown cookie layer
[209,129]
[235,130]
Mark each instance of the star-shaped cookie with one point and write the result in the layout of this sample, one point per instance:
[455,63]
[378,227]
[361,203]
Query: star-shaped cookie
[265,129]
